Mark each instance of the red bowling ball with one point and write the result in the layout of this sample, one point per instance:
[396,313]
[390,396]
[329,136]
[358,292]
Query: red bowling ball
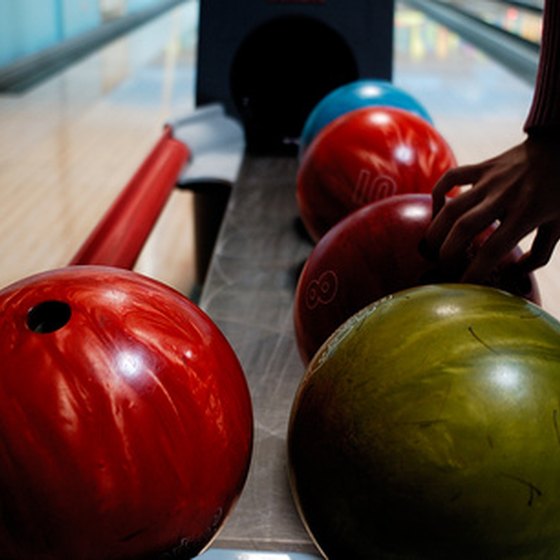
[126,422]
[370,254]
[364,156]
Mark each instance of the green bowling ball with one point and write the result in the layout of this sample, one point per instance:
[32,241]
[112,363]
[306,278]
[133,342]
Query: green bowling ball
[428,427]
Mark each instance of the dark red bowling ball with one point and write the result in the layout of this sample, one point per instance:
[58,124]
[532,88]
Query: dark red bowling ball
[125,419]
[370,254]
[367,155]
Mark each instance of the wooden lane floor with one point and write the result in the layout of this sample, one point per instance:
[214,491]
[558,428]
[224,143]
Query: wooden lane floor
[69,145]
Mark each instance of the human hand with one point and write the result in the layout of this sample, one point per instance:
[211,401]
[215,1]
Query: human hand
[519,190]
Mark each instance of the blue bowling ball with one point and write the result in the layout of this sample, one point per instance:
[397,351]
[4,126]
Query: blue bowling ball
[355,95]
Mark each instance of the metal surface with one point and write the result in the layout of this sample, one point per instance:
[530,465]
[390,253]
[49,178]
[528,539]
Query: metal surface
[249,293]
[216,141]
[225,554]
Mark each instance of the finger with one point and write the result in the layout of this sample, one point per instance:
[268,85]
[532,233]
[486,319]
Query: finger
[464,175]
[495,248]
[449,219]
[542,247]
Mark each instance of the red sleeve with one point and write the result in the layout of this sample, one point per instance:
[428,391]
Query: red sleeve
[544,114]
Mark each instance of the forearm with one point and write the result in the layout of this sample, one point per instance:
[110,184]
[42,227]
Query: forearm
[544,114]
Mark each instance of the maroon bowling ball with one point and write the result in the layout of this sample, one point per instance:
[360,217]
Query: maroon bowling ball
[366,155]
[370,254]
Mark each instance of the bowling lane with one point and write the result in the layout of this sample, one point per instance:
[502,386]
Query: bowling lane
[480,107]
[513,18]
[69,145]
[535,5]
[477,104]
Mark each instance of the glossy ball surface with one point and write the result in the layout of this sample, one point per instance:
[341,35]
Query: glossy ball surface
[356,95]
[125,419]
[427,428]
[364,156]
[374,252]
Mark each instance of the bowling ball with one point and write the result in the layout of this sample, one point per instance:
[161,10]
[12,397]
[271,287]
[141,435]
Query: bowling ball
[125,419]
[426,428]
[356,95]
[364,156]
[375,252]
